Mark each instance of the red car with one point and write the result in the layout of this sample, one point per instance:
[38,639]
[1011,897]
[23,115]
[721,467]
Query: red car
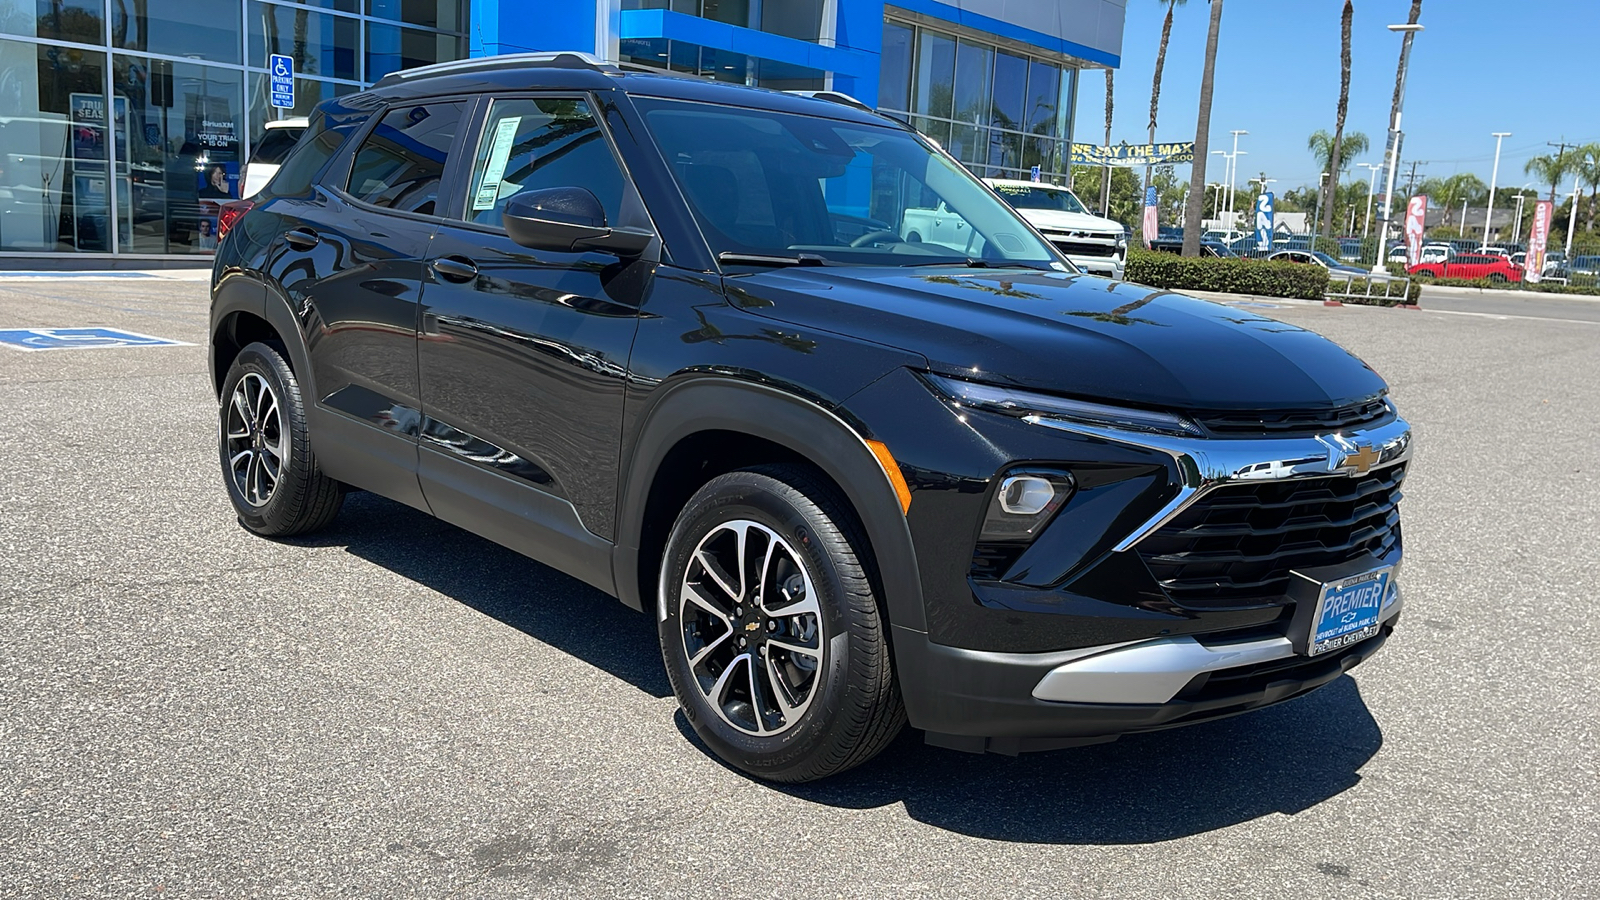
[1470,265]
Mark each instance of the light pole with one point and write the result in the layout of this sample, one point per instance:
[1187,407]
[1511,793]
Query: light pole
[1316,214]
[1410,32]
[1234,173]
[1572,220]
[1372,179]
[1462,230]
[1494,175]
[1516,226]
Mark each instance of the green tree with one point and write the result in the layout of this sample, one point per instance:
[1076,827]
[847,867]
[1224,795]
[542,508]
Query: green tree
[1126,198]
[1338,162]
[1551,168]
[1202,137]
[1450,194]
[1155,82]
[1351,145]
[1587,169]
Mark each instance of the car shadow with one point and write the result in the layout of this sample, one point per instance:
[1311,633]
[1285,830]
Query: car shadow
[1143,788]
[533,598]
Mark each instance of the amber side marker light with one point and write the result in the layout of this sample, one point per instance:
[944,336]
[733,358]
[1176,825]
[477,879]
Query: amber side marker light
[892,469]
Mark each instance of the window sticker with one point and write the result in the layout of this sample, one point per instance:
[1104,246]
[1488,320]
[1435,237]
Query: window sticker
[505,134]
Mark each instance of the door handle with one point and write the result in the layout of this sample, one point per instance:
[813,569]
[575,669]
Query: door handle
[301,238]
[455,268]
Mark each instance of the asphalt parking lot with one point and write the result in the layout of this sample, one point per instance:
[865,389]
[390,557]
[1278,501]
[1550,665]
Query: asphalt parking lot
[395,708]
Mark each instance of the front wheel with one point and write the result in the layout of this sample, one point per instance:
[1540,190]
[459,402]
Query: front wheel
[771,630]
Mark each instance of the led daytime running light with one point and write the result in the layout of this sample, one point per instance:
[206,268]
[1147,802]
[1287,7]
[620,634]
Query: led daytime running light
[1013,402]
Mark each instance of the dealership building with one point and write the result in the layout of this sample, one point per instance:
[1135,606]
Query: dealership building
[123,123]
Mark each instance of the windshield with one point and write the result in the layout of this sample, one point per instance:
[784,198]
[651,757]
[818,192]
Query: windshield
[773,184]
[1326,260]
[1029,196]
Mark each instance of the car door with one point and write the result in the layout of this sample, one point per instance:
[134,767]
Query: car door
[523,353]
[350,262]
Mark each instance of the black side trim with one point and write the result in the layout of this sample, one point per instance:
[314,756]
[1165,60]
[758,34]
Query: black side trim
[471,448]
[514,514]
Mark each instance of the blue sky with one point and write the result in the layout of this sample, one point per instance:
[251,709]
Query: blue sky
[1480,66]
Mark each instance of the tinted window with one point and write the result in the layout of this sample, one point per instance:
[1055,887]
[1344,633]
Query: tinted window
[307,158]
[275,145]
[533,144]
[1025,197]
[402,161]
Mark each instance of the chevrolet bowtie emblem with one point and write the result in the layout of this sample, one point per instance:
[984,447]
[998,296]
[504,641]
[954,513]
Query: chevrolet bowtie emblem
[752,626]
[1360,461]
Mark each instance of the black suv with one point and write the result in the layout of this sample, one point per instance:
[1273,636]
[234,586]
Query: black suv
[670,336]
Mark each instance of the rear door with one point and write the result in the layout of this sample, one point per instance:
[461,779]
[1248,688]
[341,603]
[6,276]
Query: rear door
[523,353]
[350,261]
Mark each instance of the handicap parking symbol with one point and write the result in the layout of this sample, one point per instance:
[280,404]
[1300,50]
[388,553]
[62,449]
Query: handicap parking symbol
[32,339]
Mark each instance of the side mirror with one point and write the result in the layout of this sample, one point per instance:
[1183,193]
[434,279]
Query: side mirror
[568,219]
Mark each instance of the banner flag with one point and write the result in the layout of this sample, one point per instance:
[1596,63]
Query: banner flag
[1416,223]
[1539,239]
[1264,222]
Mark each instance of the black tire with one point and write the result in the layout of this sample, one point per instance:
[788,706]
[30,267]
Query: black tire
[301,499]
[854,708]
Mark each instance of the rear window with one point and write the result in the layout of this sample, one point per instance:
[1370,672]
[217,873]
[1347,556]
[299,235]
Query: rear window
[275,145]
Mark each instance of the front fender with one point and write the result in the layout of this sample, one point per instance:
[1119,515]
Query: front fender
[716,403]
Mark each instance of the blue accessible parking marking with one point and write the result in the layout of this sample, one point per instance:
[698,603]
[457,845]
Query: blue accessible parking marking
[80,339]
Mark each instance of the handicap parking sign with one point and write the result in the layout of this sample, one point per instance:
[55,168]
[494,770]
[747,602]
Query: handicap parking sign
[281,72]
[31,339]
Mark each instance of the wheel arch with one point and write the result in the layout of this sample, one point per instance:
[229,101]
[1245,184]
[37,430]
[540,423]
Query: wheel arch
[244,310]
[702,427]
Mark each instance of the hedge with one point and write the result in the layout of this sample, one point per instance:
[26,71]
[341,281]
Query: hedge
[1226,276]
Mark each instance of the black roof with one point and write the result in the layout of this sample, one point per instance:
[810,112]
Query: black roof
[576,71]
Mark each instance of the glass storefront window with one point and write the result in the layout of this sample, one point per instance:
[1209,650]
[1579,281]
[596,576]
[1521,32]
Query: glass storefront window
[391,48]
[442,14]
[1010,91]
[57,20]
[798,19]
[936,74]
[1044,92]
[185,153]
[894,76]
[208,31]
[319,44]
[55,149]
[349,6]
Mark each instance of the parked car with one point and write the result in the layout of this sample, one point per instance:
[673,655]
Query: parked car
[1095,245]
[612,325]
[1318,258]
[1207,248]
[275,142]
[1470,266]
[1437,253]
[1585,265]
[1493,251]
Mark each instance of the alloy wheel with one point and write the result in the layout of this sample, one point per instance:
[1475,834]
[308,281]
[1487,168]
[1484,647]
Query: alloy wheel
[253,429]
[752,627]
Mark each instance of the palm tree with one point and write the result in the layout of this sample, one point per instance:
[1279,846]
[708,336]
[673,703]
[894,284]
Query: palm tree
[1550,169]
[1588,172]
[1105,180]
[1155,83]
[1449,194]
[1351,145]
[1334,169]
[1202,138]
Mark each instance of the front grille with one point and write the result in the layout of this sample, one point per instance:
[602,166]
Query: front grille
[1236,545]
[1085,248]
[1296,421]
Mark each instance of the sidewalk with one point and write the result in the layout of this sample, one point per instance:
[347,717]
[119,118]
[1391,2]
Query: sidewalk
[196,274]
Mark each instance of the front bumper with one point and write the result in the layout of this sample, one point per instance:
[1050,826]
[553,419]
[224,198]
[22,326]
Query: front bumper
[1107,266]
[1012,703]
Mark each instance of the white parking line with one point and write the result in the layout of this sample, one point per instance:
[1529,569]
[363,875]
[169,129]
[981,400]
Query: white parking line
[1484,315]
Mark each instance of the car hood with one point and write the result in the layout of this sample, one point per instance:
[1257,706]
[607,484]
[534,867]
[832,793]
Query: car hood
[1070,334]
[1056,220]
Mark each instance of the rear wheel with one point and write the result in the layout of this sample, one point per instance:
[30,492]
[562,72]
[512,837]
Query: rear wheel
[273,479]
[770,628]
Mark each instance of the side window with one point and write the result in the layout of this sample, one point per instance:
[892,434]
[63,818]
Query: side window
[533,144]
[313,151]
[401,162]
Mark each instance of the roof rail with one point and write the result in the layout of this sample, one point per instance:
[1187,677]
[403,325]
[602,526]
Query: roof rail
[838,97]
[565,59]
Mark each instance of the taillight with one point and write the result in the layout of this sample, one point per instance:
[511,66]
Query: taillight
[231,213]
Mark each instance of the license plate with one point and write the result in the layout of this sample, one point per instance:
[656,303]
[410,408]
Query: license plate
[1348,611]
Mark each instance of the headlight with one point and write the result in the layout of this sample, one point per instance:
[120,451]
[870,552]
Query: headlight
[1013,402]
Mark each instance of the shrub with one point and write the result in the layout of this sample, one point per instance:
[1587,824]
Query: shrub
[1226,276]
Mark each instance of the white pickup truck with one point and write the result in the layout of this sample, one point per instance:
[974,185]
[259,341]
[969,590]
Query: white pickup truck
[1095,245]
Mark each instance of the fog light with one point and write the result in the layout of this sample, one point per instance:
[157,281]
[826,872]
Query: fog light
[1023,503]
[1025,495]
